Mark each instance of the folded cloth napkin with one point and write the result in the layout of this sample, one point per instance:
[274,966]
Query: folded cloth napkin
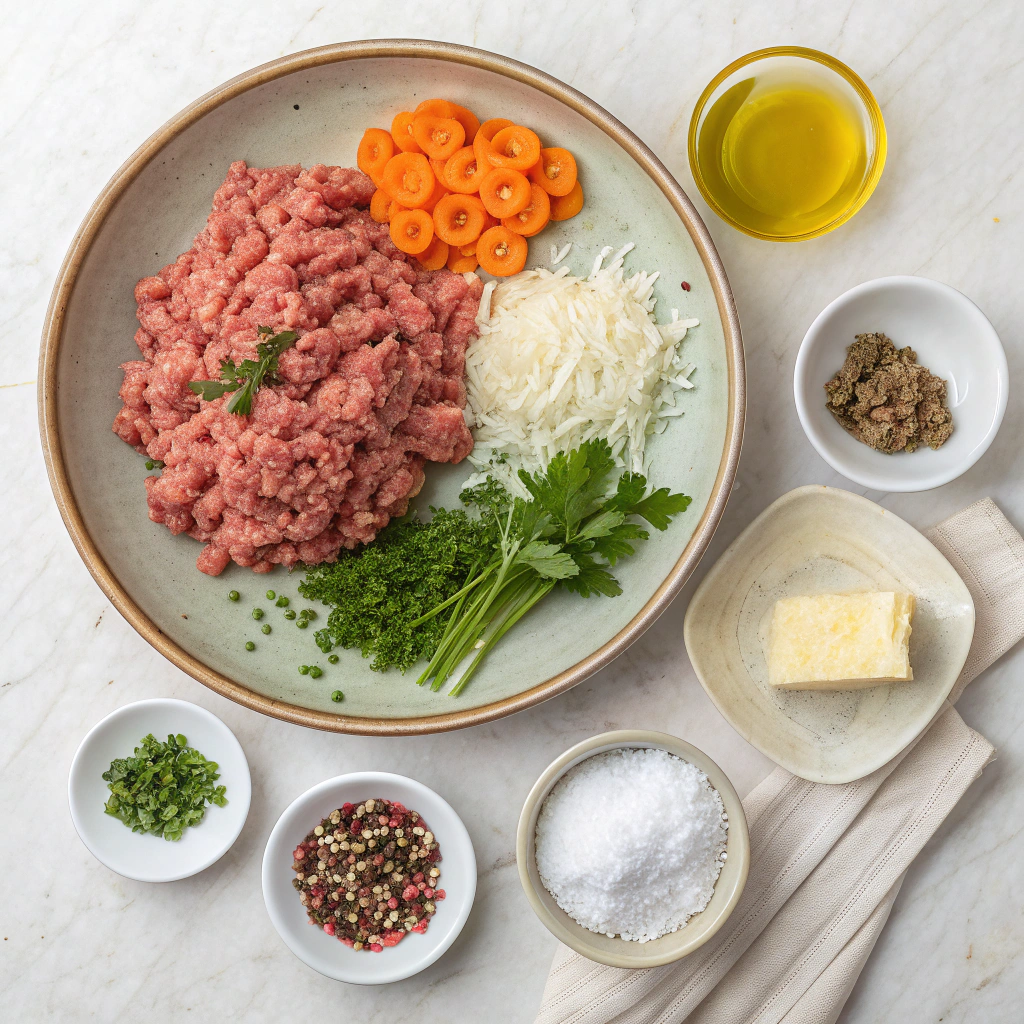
[826,861]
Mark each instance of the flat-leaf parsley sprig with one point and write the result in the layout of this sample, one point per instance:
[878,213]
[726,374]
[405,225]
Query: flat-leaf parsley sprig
[574,528]
[247,377]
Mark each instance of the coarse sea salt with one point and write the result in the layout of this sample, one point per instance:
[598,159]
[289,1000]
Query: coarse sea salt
[631,842]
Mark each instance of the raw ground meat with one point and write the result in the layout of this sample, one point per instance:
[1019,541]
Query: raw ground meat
[372,389]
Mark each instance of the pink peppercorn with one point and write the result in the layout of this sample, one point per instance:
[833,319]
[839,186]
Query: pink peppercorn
[298,853]
[393,903]
[439,894]
[376,947]
[421,927]
[418,877]
[428,892]
[410,892]
[348,942]
[329,927]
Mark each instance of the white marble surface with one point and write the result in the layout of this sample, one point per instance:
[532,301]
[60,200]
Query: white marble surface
[82,85]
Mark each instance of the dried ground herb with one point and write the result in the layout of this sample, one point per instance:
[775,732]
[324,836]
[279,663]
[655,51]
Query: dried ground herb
[884,398]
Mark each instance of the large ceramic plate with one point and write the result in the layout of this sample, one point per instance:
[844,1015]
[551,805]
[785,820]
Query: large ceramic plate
[313,107]
[823,540]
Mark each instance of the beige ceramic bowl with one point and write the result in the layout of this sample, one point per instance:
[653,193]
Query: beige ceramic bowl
[616,952]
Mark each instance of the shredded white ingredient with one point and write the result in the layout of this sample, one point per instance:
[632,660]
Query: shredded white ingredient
[561,360]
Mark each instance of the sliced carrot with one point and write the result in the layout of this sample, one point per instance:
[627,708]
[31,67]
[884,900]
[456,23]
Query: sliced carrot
[401,132]
[532,218]
[459,219]
[459,264]
[468,120]
[482,140]
[501,252]
[461,171]
[564,207]
[437,166]
[440,108]
[504,192]
[379,206]
[395,208]
[555,171]
[435,256]
[516,147]
[408,179]
[412,231]
[493,125]
[468,250]
[376,148]
[438,194]
[438,137]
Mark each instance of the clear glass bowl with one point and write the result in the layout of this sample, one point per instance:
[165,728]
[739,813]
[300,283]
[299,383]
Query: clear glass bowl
[820,70]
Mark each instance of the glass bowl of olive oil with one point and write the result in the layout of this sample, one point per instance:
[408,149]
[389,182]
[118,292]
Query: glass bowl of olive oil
[786,143]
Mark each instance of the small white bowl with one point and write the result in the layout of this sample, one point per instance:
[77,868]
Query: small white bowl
[325,953]
[614,951]
[144,857]
[950,335]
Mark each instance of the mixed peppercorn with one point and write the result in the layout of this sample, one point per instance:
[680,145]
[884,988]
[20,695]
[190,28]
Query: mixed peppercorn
[368,874]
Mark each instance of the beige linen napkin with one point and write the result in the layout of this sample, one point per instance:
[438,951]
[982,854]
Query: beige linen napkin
[826,861]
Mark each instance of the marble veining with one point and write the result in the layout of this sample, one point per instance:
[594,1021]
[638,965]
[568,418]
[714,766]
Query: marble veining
[82,86]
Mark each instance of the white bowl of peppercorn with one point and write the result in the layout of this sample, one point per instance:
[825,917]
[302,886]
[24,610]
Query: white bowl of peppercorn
[369,877]
[886,426]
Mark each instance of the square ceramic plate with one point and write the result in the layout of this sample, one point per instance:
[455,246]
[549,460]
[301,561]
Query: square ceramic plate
[822,540]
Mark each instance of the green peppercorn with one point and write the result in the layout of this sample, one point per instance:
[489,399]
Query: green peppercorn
[150,464]
[333,659]
[289,614]
[303,670]
[316,671]
[271,595]
[249,645]
[233,595]
[257,614]
[282,602]
[309,613]
[337,696]
[302,623]
[265,628]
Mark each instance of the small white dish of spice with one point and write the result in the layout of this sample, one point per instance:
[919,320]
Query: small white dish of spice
[901,384]
[369,877]
[159,790]
[632,848]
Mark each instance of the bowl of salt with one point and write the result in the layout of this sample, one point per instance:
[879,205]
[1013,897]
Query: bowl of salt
[632,848]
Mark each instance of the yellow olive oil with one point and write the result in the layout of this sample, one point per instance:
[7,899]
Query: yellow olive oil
[783,153]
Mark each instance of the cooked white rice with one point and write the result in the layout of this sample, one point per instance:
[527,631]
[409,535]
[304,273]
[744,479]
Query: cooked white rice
[562,359]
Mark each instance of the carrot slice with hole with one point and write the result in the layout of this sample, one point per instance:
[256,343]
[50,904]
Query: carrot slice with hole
[401,132]
[412,230]
[482,140]
[395,208]
[437,166]
[459,219]
[564,207]
[501,252]
[440,108]
[462,172]
[408,179]
[379,206]
[468,120]
[533,217]
[435,256]
[438,194]
[459,264]
[516,147]
[555,171]
[504,192]
[468,250]
[376,148]
[438,137]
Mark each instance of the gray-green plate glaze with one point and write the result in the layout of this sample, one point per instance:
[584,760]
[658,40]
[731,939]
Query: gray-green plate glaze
[313,107]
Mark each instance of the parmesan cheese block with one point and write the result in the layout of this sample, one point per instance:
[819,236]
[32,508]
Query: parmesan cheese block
[840,642]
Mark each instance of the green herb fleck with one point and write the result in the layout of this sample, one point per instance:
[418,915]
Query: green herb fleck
[303,670]
[316,671]
[163,788]
[271,595]
[282,602]
[249,645]
[289,614]
[257,614]
[265,628]
[247,378]
[333,659]
[337,696]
